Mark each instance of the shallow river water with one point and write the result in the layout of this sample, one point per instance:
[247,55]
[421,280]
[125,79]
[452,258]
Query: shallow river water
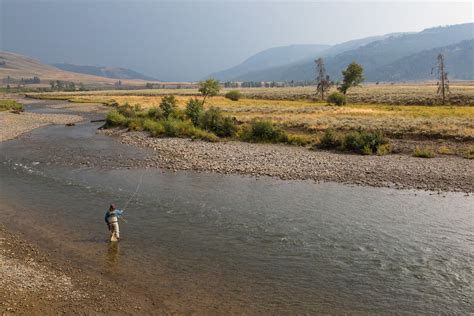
[218,243]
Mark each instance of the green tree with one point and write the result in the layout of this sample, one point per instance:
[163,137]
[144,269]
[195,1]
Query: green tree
[168,105]
[194,110]
[353,76]
[209,88]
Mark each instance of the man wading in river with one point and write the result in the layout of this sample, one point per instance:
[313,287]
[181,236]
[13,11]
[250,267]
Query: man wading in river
[111,218]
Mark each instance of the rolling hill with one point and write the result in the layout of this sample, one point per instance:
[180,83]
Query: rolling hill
[377,55]
[102,71]
[17,66]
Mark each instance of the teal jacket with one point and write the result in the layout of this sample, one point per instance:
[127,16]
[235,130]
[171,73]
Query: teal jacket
[115,213]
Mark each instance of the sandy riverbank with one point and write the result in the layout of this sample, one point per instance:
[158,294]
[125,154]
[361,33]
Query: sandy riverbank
[447,173]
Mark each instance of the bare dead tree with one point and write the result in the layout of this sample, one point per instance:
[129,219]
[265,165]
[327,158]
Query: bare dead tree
[322,79]
[442,75]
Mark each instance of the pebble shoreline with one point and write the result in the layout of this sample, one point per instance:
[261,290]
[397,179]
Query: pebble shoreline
[399,171]
[13,125]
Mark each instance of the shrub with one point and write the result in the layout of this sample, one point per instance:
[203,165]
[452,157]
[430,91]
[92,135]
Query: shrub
[330,139]
[423,152]
[126,110]
[444,150]
[114,118]
[213,121]
[384,149]
[362,142]
[233,95]
[200,134]
[336,98]
[263,131]
[178,114]
[155,113]
[155,128]
[299,140]
[135,124]
[194,110]
[168,105]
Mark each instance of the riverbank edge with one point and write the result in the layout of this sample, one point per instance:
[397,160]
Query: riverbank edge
[399,171]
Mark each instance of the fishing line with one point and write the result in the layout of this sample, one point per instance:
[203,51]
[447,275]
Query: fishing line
[136,191]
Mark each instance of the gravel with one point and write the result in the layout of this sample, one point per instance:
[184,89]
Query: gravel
[447,173]
[13,125]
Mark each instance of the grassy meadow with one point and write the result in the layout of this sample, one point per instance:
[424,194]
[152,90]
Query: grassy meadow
[370,107]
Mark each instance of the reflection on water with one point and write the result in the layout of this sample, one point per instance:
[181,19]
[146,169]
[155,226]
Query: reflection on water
[113,253]
[220,244]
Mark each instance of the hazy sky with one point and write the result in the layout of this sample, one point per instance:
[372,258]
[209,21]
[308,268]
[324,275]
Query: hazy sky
[186,40]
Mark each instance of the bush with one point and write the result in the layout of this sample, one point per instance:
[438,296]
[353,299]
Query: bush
[135,124]
[213,121]
[263,131]
[155,113]
[194,110]
[155,128]
[330,139]
[114,118]
[384,149]
[168,105]
[365,143]
[126,110]
[444,150]
[336,98]
[423,152]
[233,95]
[299,140]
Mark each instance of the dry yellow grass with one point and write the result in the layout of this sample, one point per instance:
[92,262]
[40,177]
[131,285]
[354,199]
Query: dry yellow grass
[308,116]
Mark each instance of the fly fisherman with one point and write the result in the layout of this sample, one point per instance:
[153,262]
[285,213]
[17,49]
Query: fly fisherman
[111,218]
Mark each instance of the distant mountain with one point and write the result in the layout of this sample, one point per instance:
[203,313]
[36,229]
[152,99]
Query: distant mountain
[372,56]
[109,72]
[459,60]
[269,58]
[301,66]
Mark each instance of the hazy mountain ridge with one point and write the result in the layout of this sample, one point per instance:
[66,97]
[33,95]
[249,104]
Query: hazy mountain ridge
[373,55]
[459,59]
[103,71]
[272,57]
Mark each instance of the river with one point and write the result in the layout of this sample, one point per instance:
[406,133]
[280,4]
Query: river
[210,243]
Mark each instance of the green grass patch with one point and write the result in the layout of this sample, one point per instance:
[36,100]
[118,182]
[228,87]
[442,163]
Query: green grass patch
[10,105]
[424,152]
[469,154]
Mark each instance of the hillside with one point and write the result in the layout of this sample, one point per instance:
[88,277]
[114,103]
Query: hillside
[269,58]
[374,55]
[459,59]
[102,71]
[17,66]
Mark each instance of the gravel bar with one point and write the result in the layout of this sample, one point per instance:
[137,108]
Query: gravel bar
[447,173]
